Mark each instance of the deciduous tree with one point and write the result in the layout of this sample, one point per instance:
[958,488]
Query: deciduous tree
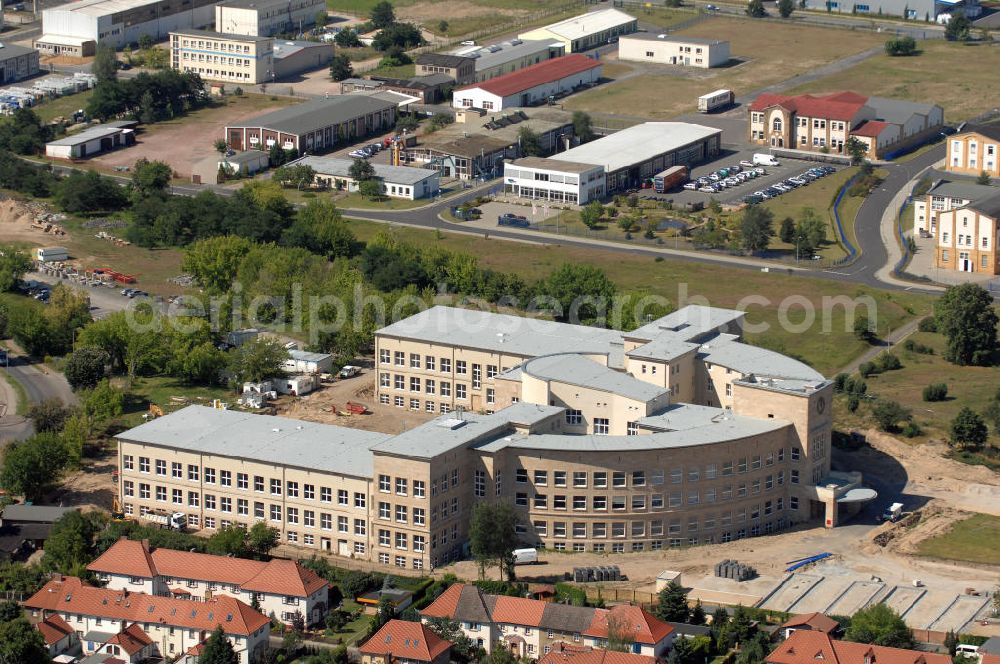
[492,536]
[965,315]
[968,430]
[218,649]
[756,228]
[340,66]
[879,625]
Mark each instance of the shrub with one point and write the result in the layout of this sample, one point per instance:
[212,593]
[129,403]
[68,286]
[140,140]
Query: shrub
[888,362]
[927,324]
[888,414]
[912,429]
[853,402]
[935,392]
[839,381]
[915,347]
[868,369]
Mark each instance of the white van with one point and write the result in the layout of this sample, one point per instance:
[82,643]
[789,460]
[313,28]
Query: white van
[765,160]
[967,650]
[525,556]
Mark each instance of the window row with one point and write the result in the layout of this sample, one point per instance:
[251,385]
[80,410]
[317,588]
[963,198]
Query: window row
[581,479]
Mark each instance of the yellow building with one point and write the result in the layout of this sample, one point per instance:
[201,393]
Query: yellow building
[974,151]
[724,440]
[217,56]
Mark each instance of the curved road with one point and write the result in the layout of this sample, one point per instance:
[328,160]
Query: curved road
[39,383]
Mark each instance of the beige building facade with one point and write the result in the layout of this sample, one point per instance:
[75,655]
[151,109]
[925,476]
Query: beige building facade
[963,218]
[724,440]
[674,50]
[975,151]
[223,57]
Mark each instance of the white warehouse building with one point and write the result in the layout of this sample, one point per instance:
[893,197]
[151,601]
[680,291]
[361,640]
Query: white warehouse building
[624,158]
[530,86]
[266,18]
[76,27]
[397,181]
[674,50]
[552,180]
[586,30]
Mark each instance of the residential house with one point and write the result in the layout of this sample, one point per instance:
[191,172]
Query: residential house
[567,654]
[110,619]
[281,587]
[826,123]
[974,151]
[815,622]
[404,642]
[810,647]
[530,628]
[59,636]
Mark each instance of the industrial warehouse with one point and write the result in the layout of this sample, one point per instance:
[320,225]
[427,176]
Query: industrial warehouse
[726,440]
[533,85]
[315,125]
[624,158]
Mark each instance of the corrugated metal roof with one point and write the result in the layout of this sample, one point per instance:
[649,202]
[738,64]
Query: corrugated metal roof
[535,75]
[317,114]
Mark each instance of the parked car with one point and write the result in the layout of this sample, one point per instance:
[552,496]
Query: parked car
[799,181]
[753,199]
[127,291]
[746,163]
[734,169]
[708,189]
[690,186]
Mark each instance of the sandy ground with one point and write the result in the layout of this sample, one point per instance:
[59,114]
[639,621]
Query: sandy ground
[179,143]
[15,223]
[319,407]
[91,487]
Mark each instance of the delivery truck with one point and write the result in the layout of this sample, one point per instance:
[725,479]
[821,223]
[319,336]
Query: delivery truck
[669,179]
[714,101]
[174,521]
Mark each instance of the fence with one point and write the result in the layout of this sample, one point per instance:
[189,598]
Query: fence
[611,595]
[852,252]
[901,264]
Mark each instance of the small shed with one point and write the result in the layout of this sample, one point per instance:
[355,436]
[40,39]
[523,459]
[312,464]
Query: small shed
[48,254]
[238,164]
[664,578]
[300,361]
[296,386]
[90,142]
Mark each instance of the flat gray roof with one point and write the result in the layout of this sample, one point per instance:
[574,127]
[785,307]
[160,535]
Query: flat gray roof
[342,168]
[575,369]
[211,34]
[591,23]
[665,347]
[501,333]
[671,38]
[93,133]
[898,111]
[454,430]
[39,513]
[265,438]
[316,114]
[967,190]
[700,429]
[505,52]
[637,144]
[726,351]
[305,356]
[8,51]
[285,48]
[553,165]
[441,60]
[688,323]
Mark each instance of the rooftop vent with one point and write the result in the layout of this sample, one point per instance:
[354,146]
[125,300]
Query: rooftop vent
[451,423]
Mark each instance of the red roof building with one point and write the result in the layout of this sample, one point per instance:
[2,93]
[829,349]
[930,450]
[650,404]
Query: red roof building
[826,123]
[531,85]
[816,622]
[530,627]
[185,574]
[566,654]
[808,647]
[140,620]
[59,636]
[401,640]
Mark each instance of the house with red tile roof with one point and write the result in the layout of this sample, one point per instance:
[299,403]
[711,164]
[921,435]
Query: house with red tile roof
[131,645]
[825,123]
[531,628]
[135,623]
[403,642]
[282,587]
[813,647]
[566,654]
[59,636]
[532,85]
[816,622]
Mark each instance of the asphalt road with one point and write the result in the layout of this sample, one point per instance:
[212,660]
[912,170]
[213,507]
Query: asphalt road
[39,383]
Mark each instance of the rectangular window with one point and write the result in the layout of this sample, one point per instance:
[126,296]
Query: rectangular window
[541,477]
[600,480]
[601,426]
[360,500]
[574,417]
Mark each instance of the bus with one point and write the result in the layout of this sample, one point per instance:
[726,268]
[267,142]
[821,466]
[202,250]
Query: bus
[669,179]
[715,100]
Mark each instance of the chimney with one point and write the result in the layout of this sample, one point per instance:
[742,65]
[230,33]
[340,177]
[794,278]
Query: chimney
[57,577]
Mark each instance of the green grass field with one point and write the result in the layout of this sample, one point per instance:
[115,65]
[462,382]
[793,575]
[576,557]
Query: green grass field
[63,106]
[159,390]
[928,77]
[825,349]
[663,95]
[967,386]
[973,540]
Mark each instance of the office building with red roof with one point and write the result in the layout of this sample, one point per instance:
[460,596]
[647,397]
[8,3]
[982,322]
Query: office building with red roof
[813,647]
[282,587]
[401,641]
[532,628]
[532,85]
[133,626]
[826,123]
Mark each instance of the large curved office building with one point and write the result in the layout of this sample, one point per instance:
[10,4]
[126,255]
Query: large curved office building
[675,434]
